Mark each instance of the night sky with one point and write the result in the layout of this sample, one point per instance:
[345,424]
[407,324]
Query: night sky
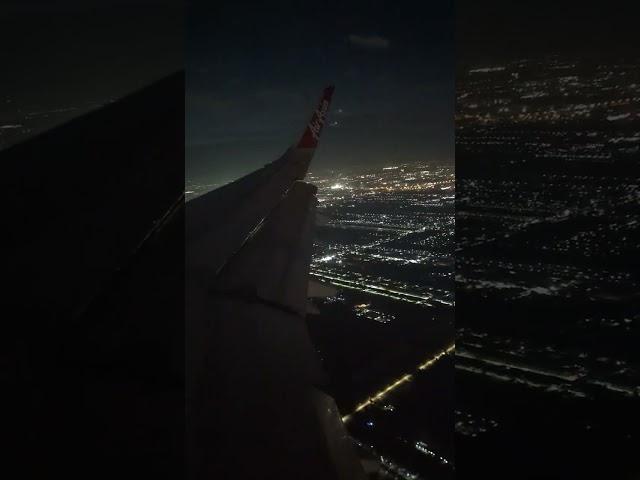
[64,53]
[255,72]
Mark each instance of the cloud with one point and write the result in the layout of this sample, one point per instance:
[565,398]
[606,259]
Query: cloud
[369,41]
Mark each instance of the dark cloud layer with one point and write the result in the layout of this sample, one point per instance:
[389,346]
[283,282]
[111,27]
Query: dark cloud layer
[369,41]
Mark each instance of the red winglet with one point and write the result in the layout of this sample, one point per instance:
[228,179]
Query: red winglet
[312,132]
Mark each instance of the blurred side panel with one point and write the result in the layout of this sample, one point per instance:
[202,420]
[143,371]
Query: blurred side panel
[93,300]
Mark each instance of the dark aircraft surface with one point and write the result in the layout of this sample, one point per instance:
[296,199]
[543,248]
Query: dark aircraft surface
[93,297]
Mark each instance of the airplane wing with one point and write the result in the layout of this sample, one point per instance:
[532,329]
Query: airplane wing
[254,406]
[225,216]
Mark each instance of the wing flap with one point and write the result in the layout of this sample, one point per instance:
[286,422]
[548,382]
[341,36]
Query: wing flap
[273,265]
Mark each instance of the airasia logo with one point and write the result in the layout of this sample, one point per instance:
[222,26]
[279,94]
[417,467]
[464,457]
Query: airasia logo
[318,120]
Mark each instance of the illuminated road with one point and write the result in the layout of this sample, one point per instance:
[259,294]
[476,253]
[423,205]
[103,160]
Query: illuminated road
[401,381]
[572,383]
[374,289]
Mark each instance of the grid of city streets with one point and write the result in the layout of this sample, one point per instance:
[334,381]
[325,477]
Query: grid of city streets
[385,240]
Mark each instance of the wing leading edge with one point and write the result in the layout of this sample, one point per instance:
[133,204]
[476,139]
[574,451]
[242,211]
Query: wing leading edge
[224,217]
